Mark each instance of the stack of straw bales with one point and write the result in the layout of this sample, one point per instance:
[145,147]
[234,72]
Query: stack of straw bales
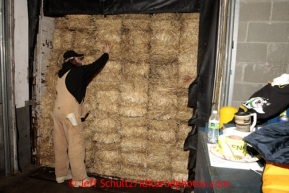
[138,102]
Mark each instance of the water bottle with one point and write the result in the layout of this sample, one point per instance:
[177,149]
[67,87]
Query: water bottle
[214,127]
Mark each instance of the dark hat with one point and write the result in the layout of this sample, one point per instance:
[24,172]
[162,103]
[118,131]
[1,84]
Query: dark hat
[70,54]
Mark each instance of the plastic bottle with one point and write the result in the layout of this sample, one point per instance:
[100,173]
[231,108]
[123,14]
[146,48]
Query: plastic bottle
[214,127]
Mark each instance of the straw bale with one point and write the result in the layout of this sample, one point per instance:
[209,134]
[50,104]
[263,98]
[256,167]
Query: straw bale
[85,42]
[89,145]
[60,22]
[109,30]
[179,155]
[139,69]
[87,122]
[108,100]
[133,132]
[158,55]
[46,161]
[55,59]
[112,157]
[179,144]
[190,29]
[164,87]
[105,125]
[80,22]
[137,24]
[164,73]
[134,159]
[62,39]
[180,166]
[163,101]
[133,98]
[186,78]
[188,62]
[125,17]
[180,176]
[47,105]
[107,138]
[104,168]
[158,125]
[132,172]
[133,145]
[107,147]
[108,76]
[88,133]
[158,162]
[112,67]
[107,23]
[168,136]
[51,81]
[100,115]
[165,41]
[184,115]
[182,98]
[166,30]
[137,85]
[89,158]
[46,125]
[133,121]
[159,149]
[163,175]
[110,73]
[103,86]
[184,129]
[165,16]
[161,114]
[135,45]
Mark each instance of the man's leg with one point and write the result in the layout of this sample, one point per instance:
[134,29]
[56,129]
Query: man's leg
[76,150]
[60,149]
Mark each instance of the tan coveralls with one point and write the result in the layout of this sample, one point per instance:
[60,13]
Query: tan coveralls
[68,139]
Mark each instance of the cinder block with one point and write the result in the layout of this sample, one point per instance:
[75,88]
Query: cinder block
[262,73]
[242,31]
[255,11]
[278,53]
[243,91]
[268,32]
[280,11]
[251,52]
[238,72]
[236,104]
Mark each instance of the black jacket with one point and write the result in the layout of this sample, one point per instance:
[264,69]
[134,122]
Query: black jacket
[79,76]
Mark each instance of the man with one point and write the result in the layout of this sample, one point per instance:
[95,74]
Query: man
[69,147]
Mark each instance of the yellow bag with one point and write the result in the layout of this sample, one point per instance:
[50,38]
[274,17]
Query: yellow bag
[275,178]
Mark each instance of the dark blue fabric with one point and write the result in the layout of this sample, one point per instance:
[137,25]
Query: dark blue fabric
[272,142]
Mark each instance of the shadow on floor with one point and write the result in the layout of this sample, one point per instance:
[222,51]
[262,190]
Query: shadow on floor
[34,179]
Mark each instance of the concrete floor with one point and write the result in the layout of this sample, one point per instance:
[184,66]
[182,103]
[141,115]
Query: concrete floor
[35,179]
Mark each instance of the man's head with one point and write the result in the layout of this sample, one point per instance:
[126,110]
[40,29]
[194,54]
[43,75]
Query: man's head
[73,57]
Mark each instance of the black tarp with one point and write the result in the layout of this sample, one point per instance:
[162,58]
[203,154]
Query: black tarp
[109,7]
[201,90]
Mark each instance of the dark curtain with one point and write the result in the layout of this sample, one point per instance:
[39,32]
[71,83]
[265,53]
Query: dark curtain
[201,90]
[109,7]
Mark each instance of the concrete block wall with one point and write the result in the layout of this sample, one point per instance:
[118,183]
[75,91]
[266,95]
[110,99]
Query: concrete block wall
[263,46]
